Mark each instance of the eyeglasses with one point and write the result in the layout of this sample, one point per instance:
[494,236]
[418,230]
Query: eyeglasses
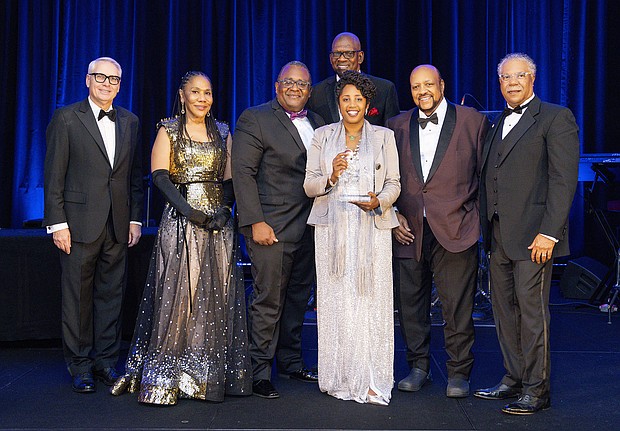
[347,54]
[289,83]
[101,77]
[519,76]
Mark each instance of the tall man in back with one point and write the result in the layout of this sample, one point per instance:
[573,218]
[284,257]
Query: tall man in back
[529,176]
[269,166]
[347,54]
[93,209]
[439,150]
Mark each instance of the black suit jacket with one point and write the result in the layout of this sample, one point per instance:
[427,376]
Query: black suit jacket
[81,187]
[536,179]
[382,107]
[269,167]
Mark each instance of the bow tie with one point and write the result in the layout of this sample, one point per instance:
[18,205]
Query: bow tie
[517,110]
[301,114]
[111,114]
[424,121]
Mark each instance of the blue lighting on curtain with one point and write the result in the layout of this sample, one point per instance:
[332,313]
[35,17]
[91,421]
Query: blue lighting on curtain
[242,45]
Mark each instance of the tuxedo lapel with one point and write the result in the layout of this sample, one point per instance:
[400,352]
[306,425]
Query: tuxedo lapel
[527,120]
[414,142]
[86,116]
[447,129]
[331,100]
[283,117]
[497,123]
[120,127]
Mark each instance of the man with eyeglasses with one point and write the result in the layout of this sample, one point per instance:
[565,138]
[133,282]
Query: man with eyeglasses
[528,180]
[347,54]
[269,155]
[93,209]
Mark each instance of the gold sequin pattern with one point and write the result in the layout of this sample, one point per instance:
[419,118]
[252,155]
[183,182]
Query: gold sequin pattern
[192,161]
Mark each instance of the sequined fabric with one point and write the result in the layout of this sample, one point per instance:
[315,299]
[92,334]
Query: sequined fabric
[190,339]
[355,326]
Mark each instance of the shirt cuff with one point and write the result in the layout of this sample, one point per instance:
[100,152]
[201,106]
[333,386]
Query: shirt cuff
[56,227]
[551,238]
[136,222]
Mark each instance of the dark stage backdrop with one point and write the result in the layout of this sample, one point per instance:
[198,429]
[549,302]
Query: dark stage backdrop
[241,45]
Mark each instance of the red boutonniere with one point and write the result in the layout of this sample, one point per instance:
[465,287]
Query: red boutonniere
[373,112]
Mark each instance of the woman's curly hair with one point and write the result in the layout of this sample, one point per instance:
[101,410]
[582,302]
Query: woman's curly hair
[361,82]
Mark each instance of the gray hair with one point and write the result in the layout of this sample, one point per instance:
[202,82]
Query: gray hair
[295,63]
[91,65]
[518,56]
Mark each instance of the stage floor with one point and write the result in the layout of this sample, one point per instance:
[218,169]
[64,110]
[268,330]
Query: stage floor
[35,390]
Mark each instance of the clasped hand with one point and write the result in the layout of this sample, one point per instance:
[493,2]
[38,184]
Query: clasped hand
[215,222]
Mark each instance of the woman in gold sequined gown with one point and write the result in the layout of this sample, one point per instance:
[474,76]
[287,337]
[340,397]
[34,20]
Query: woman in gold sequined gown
[190,338]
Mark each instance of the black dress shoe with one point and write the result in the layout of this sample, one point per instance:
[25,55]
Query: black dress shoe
[304,375]
[414,381]
[527,405]
[264,389]
[107,375]
[498,392]
[83,383]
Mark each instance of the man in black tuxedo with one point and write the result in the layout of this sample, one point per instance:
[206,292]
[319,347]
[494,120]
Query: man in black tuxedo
[529,176]
[93,209]
[347,54]
[269,163]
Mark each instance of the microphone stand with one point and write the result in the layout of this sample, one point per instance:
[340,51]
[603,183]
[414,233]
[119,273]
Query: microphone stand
[602,288]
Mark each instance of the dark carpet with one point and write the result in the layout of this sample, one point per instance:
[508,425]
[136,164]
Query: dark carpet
[35,390]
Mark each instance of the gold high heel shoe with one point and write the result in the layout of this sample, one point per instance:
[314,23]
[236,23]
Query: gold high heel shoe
[129,383]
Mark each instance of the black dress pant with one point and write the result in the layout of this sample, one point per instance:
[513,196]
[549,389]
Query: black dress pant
[92,283]
[283,276]
[455,280]
[520,296]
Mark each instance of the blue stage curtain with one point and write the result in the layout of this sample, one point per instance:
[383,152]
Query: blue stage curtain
[241,45]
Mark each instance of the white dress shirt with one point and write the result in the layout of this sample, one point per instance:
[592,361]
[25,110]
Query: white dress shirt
[305,129]
[107,129]
[511,120]
[429,137]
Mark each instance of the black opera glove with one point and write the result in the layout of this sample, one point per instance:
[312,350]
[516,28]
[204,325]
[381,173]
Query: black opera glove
[161,179]
[219,219]
[198,217]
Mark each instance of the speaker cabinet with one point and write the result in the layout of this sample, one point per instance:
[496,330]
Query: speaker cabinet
[581,277]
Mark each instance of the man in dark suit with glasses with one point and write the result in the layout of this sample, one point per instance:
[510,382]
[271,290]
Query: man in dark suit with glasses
[269,155]
[93,209]
[347,54]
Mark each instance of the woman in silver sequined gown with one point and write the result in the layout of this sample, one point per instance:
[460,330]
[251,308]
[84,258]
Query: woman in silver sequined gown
[190,338]
[353,172]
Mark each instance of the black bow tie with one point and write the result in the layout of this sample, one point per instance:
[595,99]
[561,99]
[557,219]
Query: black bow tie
[517,110]
[111,114]
[424,121]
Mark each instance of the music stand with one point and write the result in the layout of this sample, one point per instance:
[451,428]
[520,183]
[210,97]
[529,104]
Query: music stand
[603,289]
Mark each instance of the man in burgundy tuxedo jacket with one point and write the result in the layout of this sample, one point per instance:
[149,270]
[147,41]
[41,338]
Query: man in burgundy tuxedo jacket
[440,148]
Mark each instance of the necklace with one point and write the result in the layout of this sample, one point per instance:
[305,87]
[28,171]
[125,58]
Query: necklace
[353,137]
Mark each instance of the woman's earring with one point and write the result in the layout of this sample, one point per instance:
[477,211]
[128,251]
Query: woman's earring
[209,114]
[182,108]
